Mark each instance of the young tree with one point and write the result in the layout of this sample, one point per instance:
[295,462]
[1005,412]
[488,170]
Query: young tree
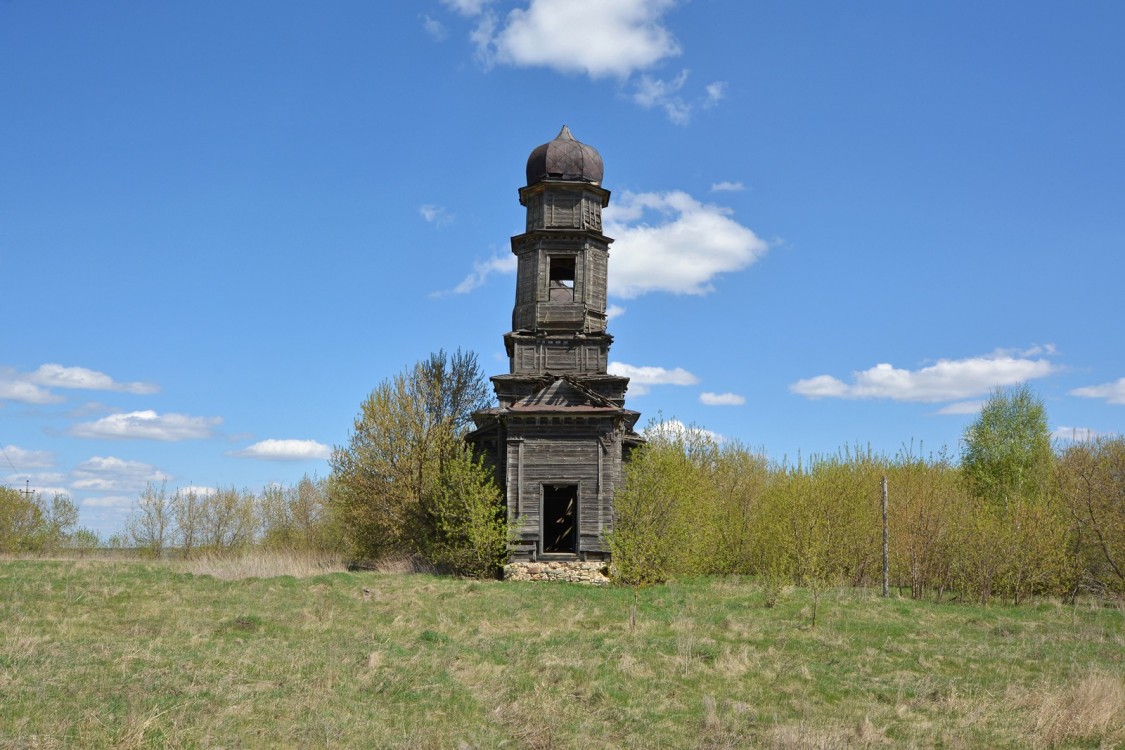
[1091,478]
[187,513]
[472,529]
[1017,533]
[311,517]
[150,524]
[926,500]
[298,517]
[60,519]
[1006,450]
[665,515]
[83,541]
[740,478]
[21,522]
[228,521]
[385,482]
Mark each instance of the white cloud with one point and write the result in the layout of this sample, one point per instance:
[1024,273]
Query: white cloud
[434,28]
[22,458]
[285,450]
[466,7]
[821,386]
[89,409]
[946,380]
[962,407]
[688,244]
[722,399]
[481,37]
[671,429]
[650,92]
[33,387]
[481,271]
[653,92]
[1113,393]
[118,502]
[57,376]
[112,474]
[716,92]
[37,478]
[435,214]
[642,378]
[593,37]
[727,187]
[614,311]
[28,393]
[196,489]
[148,425]
[1076,434]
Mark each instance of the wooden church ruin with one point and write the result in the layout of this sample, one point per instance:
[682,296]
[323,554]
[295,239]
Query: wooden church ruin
[560,432]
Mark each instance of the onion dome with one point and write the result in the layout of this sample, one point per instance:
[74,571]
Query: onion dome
[564,159]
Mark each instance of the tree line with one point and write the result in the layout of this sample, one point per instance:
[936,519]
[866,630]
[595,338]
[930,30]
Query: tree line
[188,522]
[1010,517]
[1013,518]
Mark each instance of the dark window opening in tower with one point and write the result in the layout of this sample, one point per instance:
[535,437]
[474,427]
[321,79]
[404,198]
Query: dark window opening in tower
[560,531]
[561,273]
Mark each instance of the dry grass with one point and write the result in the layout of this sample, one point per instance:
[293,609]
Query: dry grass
[1091,709]
[264,564]
[146,655]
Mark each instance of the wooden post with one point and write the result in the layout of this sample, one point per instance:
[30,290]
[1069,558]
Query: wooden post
[886,555]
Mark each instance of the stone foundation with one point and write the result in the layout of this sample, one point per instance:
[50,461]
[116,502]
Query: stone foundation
[558,570]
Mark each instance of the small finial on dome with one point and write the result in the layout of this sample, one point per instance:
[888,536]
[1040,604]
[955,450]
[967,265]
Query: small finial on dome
[565,134]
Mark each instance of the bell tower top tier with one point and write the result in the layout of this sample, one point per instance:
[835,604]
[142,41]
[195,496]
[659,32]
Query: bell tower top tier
[563,255]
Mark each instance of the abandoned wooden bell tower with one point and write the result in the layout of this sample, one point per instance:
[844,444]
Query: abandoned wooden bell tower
[561,430]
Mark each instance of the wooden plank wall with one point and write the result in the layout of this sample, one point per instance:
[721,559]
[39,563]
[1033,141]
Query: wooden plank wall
[586,453]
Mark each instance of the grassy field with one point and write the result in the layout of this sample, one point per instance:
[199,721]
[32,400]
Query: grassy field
[121,654]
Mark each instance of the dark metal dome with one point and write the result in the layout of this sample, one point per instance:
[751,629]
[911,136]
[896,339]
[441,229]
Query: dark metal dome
[564,159]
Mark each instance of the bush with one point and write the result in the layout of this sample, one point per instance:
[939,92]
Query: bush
[996,526]
[661,516]
[28,524]
[298,517]
[1091,482]
[471,529]
[406,484]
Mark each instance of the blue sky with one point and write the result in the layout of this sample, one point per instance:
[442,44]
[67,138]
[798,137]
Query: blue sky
[222,224]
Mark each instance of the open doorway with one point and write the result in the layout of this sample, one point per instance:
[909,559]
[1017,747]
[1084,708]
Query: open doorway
[560,518]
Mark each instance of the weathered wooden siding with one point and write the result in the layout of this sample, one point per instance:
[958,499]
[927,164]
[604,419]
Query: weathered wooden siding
[597,261]
[582,311]
[564,209]
[583,356]
[563,450]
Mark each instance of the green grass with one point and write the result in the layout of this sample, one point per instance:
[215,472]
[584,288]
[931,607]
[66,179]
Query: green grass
[117,654]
